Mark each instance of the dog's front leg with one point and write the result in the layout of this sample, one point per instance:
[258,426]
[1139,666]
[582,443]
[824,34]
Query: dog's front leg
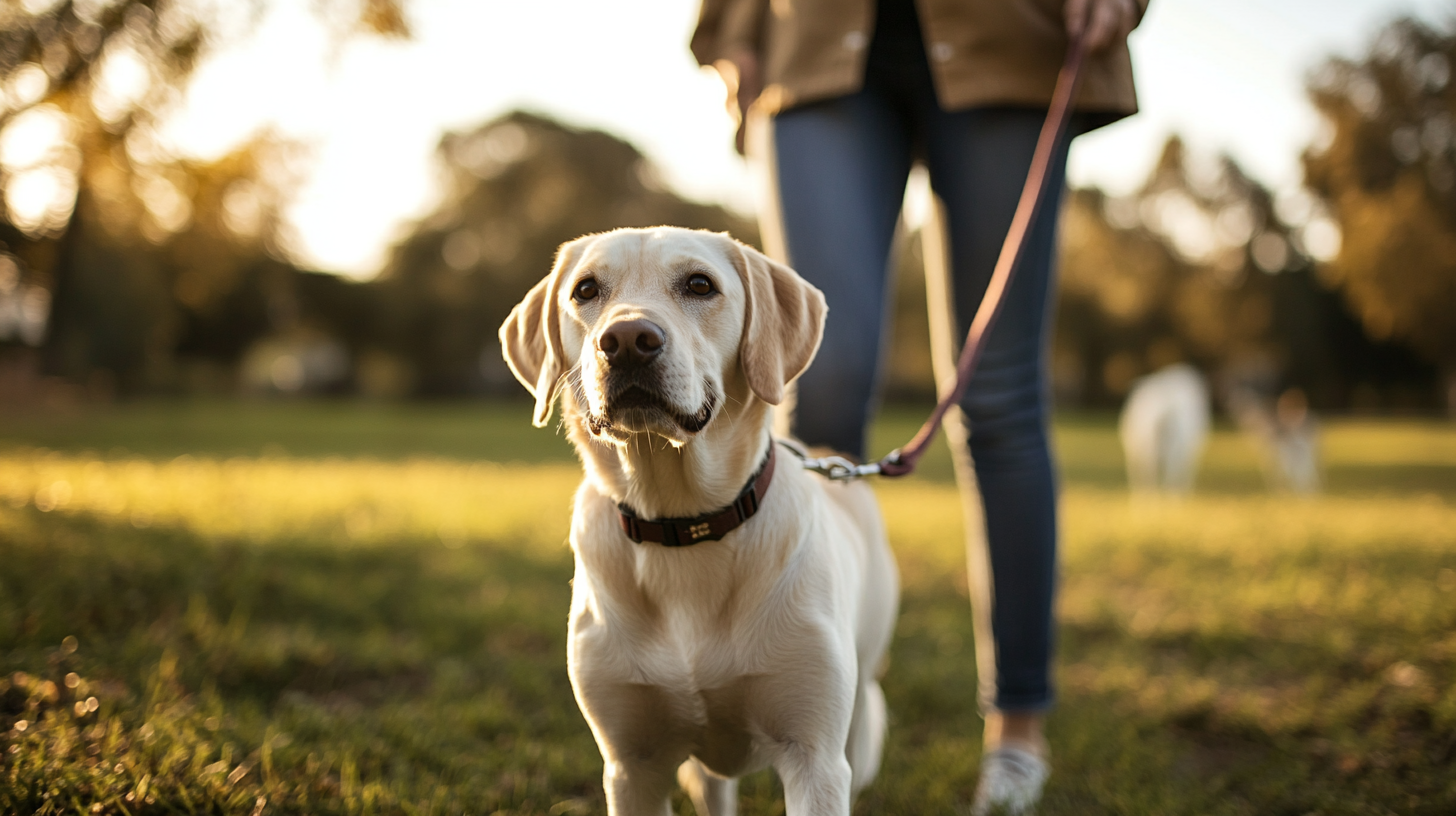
[639,788]
[805,713]
[816,781]
[641,748]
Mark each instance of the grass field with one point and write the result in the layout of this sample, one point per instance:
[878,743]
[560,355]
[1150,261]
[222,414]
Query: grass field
[339,608]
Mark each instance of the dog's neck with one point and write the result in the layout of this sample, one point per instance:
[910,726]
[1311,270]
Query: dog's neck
[659,480]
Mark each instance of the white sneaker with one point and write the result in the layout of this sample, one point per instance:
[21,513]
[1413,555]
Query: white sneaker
[1011,781]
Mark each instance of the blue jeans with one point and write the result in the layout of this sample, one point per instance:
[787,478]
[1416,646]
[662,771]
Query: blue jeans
[841,168]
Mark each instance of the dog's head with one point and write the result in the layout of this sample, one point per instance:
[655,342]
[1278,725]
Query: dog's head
[656,328]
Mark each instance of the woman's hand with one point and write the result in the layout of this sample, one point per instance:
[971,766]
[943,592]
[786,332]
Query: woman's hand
[1101,22]
[740,73]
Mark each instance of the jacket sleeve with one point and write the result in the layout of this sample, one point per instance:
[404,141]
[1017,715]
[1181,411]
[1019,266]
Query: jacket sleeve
[726,26]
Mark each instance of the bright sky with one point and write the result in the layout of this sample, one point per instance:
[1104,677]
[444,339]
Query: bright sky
[1228,75]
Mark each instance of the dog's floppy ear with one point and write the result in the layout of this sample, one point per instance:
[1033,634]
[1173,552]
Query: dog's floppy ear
[783,322]
[531,337]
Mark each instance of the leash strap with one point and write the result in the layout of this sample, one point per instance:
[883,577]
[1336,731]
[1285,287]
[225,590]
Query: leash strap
[902,461]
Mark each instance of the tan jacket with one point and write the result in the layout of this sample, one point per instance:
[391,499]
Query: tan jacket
[982,52]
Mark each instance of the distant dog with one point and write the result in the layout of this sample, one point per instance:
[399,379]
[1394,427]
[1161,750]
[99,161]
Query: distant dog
[1287,434]
[1164,427]
[730,610]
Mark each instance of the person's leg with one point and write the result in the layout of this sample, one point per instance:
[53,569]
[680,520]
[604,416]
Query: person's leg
[978,162]
[841,170]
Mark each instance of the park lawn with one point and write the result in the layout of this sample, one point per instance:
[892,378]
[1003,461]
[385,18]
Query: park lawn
[342,608]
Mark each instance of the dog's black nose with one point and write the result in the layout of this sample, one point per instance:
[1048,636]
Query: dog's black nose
[631,342]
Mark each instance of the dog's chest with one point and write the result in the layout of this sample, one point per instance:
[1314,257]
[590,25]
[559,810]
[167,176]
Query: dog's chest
[706,697]
[678,645]
[697,647]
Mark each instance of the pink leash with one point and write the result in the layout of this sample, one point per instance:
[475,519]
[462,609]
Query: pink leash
[902,461]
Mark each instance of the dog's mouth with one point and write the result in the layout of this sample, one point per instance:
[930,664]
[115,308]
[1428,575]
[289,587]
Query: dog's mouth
[635,406]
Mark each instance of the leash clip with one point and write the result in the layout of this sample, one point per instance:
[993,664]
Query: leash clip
[833,468]
[839,469]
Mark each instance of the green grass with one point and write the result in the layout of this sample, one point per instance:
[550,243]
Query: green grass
[344,608]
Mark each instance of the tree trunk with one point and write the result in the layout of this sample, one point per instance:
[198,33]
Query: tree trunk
[63,352]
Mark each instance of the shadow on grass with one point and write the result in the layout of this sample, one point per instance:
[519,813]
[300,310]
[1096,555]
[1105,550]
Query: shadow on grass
[1107,759]
[285,614]
[398,673]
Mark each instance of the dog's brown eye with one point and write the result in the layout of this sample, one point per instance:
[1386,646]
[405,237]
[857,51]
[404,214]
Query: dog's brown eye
[585,290]
[700,285]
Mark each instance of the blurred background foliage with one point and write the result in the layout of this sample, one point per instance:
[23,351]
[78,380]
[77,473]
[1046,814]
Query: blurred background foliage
[1387,172]
[516,189]
[128,271]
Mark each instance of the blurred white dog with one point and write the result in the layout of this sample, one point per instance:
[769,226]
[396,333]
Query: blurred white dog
[727,614]
[1164,427]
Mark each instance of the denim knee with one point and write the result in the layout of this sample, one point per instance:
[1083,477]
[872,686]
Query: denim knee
[1006,409]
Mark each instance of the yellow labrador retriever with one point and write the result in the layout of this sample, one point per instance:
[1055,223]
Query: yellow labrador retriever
[730,610]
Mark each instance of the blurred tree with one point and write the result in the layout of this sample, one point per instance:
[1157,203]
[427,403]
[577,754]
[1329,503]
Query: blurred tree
[1157,277]
[1204,265]
[514,190]
[138,254]
[1386,171]
[1169,274]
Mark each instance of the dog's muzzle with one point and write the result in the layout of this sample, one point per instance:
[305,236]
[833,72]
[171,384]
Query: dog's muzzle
[645,400]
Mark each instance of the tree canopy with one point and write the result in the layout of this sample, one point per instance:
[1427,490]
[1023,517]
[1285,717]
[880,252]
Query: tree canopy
[119,257]
[516,188]
[1386,171]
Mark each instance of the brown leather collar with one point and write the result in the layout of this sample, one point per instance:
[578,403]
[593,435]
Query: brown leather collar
[682,532]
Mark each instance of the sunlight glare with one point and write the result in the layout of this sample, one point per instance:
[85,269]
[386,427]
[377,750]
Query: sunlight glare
[28,85]
[32,138]
[123,81]
[1321,238]
[918,198]
[39,6]
[39,200]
